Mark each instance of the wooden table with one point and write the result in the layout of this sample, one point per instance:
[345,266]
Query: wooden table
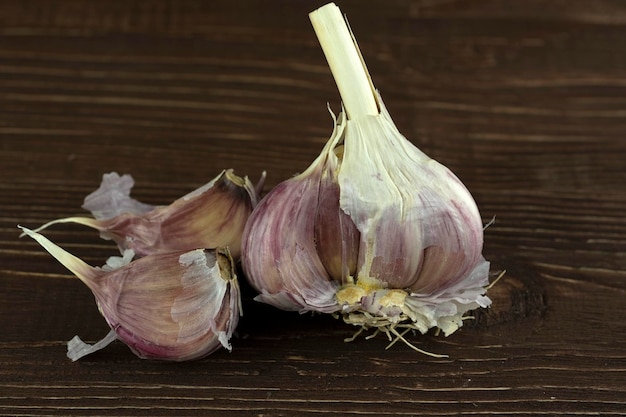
[524,100]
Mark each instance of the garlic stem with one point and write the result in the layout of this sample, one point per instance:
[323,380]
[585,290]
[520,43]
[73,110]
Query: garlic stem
[345,61]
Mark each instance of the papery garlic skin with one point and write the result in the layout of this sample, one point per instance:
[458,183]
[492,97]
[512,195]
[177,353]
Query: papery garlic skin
[176,306]
[391,188]
[211,216]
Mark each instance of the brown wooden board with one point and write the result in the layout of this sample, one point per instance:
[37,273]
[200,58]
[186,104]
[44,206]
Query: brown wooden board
[524,100]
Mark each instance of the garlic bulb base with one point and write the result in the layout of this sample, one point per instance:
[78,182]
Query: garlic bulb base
[396,312]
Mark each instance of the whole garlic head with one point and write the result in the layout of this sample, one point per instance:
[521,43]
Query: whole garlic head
[374,230]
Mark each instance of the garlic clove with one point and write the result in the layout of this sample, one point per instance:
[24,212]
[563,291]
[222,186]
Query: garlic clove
[213,215]
[281,255]
[287,260]
[336,236]
[174,306]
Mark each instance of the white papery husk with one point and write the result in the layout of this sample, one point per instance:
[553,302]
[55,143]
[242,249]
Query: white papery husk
[396,179]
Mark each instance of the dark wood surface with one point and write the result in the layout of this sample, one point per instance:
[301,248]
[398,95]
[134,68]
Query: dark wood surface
[525,100]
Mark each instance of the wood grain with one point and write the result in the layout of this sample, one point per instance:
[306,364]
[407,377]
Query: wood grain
[524,100]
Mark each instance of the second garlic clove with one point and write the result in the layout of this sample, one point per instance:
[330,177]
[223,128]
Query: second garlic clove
[213,215]
[176,306]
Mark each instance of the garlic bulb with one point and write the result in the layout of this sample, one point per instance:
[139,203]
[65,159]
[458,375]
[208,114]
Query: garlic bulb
[211,216]
[374,230]
[176,306]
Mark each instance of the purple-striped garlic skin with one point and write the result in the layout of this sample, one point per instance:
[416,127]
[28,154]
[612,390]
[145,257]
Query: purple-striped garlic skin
[176,306]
